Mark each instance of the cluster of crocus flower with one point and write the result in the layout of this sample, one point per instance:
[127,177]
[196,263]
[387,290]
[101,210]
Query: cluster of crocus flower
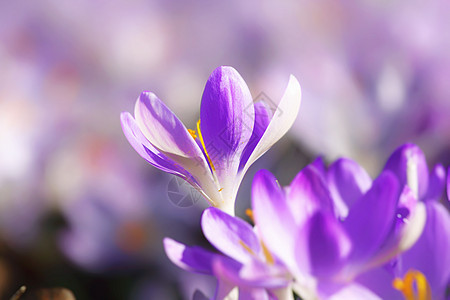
[333,233]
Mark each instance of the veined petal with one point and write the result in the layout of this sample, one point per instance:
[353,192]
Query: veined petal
[281,121]
[262,120]
[166,133]
[409,159]
[436,184]
[149,152]
[163,129]
[230,235]
[308,193]
[273,217]
[372,216]
[193,259]
[322,245]
[348,181]
[227,117]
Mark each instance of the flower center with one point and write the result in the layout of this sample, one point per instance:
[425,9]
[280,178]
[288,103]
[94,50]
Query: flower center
[414,286]
[192,133]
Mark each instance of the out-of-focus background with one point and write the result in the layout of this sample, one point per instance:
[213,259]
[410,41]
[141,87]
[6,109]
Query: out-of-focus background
[80,209]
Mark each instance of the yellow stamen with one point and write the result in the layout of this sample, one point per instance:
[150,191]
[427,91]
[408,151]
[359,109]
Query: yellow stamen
[249,214]
[418,291]
[220,189]
[246,247]
[203,145]
[192,133]
[269,258]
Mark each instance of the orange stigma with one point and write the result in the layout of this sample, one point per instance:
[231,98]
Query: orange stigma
[414,286]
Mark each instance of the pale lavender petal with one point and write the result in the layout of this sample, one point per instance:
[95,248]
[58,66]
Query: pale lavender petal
[230,235]
[262,120]
[239,275]
[226,118]
[308,193]
[398,163]
[372,216]
[348,181]
[436,184]
[273,217]
[163,129]
[258,273]
[322,245]
[152,155]
[430,254]
[281,121]
[193,259]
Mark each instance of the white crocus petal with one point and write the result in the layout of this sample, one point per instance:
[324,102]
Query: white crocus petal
[281,122]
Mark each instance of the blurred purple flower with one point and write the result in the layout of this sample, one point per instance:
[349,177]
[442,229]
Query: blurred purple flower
[324,246]
[428,260]
[232,134]
[317,236]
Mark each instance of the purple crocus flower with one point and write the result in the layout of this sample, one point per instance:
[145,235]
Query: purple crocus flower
[244,261]
[327,244]
[231,134]
[306,238]
[427,263]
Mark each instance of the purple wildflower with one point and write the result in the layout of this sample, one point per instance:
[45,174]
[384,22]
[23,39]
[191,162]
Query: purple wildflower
[231,134]
[317,237]
[427,263]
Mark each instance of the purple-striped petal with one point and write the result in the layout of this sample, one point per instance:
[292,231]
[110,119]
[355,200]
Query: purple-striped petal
[372,216]
[322,245]
[273,217]
[281,122]
[398,163]
[348,181]
[230,235]
[193,259]
[436,184]
[262,120]
[163,129]
[308,193]
[226,118]
[151,154]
